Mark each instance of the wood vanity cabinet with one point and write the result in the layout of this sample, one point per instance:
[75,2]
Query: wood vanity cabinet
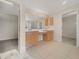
[48,36]
[32,38]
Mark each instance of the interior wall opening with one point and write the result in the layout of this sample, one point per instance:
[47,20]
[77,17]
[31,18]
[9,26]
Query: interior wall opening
[69,29]
[8,27]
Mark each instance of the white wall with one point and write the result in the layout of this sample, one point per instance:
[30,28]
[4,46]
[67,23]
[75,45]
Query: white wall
[77,29]
[8,26]
[69,26]
[9,9]
[57,27]
[22,39]
[58,16]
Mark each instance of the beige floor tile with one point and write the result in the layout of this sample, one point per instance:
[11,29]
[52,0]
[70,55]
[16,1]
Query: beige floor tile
[55,50]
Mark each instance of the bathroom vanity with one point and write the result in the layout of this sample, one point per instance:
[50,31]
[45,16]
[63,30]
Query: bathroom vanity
[39,30]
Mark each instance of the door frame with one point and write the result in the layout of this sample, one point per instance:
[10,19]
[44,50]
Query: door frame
[72,12]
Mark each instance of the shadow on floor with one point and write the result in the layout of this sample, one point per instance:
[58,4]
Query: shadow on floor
[8,45]
[71,41]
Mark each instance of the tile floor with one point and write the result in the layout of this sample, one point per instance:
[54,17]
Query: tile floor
[46,50]
[8,45]
[71,41]
[54,50]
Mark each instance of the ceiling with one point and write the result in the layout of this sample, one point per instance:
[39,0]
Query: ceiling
[9,9]
[46,6]
[49,6]
[15,1]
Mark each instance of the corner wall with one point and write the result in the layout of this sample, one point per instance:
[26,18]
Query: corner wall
[57,27]
[8,27]
[69,26]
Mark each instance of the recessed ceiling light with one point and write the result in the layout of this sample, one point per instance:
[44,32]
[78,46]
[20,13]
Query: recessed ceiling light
[7,2]
[40,11]
[64,2]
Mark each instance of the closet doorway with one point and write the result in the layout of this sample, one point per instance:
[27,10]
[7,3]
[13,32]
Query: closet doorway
[69,28]
[9,14]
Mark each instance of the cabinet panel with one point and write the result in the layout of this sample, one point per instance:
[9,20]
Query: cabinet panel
[46,21]
[49,21]
[32,38]
[48,36]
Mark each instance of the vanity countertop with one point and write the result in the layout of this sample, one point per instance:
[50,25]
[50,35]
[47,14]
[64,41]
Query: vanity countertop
[39,30]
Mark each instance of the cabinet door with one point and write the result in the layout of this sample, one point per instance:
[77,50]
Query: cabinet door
[46,21]
[48,36]
[32,38]
[49,21]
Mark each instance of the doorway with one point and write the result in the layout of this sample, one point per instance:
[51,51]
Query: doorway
[69,29]
[9,14]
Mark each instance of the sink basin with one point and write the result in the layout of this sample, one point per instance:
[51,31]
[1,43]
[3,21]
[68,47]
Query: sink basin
[42,30]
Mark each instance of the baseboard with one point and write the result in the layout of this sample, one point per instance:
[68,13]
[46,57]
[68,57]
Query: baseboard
[8,39]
